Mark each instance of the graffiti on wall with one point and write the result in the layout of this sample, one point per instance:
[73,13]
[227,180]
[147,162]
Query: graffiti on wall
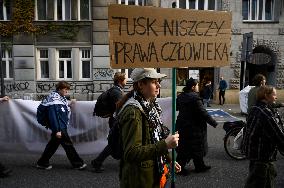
[46,87]
[103,74]
[16,87]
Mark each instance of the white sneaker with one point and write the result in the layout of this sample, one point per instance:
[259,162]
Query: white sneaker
[83,166]
[47,167]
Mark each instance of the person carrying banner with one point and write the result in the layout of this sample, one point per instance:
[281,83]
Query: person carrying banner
[115,94]
[145,159]
[4,171]
[58,115]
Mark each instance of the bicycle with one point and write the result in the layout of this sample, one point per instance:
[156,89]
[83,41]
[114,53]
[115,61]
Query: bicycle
[232,129]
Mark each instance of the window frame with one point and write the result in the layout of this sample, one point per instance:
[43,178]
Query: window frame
[55,11]
[7,58]
[257,12]
[39,59]
[126,2]
[197,3]
[81,64]
[5,13]
[64,59]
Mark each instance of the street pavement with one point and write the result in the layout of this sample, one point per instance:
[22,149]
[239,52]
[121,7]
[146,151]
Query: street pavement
[225,172]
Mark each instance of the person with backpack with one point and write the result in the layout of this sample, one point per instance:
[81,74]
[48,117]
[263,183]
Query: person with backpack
[145,159]
[58,113]
[105,107]
[4,171]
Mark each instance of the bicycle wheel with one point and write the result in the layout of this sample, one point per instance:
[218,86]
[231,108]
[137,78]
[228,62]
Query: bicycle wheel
[229,145]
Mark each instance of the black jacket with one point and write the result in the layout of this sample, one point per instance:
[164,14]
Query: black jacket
[192,124]
[207,91]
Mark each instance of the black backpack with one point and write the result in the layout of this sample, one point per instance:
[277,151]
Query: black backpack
[104,106]
[42,116]
[115,140]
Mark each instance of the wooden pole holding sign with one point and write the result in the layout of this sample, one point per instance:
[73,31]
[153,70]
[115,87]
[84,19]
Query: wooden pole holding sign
[173,125]
[167,38]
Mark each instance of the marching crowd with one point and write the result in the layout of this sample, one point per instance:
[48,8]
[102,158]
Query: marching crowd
[145,141]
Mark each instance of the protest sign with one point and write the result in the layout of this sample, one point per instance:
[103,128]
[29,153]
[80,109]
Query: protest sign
[166,37]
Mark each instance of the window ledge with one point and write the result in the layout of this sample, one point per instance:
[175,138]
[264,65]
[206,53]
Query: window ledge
[62,20]
[260,21]
[85,79]
[8,79]
[43,79]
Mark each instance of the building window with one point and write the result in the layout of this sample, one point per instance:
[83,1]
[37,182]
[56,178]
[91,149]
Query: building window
[85,66]
[127,72]
[43,63]
[258,10]
[132,2]
[197,4]
[7,64]
[5,10]
[63,10]
[65,64]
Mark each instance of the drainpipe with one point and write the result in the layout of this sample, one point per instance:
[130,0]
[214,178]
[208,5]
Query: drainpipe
[1,72]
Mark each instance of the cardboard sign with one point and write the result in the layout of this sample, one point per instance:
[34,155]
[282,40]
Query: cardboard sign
[167,37]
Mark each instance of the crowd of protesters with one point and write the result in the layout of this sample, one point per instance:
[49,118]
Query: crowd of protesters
[145,160]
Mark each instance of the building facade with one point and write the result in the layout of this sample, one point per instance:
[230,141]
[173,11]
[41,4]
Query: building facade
[76,49]
[265,20]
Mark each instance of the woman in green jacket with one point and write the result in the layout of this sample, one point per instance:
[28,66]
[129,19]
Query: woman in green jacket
[145,159]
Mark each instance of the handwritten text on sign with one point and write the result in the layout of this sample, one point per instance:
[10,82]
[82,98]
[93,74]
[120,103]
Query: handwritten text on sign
[159,37]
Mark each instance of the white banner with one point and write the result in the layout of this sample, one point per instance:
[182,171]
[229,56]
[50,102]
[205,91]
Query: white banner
[19,130]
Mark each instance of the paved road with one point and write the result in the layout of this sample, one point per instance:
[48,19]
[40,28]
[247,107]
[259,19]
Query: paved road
[225,172]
